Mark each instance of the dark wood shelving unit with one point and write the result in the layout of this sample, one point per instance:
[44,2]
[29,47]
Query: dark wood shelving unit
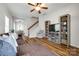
[47,23]
[65,29]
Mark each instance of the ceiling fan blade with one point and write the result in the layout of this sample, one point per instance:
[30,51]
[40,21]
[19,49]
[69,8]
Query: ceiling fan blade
[31,4]
[44,7]
[37,4]
[32,10]
[40,3]
[39,12]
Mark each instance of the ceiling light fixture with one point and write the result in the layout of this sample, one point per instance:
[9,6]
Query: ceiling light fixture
[37,8]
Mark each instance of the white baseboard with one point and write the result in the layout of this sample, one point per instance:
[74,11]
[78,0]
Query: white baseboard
[77,46]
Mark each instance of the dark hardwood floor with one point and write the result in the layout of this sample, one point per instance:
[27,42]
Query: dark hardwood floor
[59,49]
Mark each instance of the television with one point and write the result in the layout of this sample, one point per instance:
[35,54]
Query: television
[57,27]
[52,28]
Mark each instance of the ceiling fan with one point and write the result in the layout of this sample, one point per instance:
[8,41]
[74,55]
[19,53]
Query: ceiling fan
[38,7]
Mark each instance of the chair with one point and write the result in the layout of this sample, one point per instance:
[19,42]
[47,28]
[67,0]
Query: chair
[40,34]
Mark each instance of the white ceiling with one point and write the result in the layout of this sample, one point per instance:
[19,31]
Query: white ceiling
[22,10]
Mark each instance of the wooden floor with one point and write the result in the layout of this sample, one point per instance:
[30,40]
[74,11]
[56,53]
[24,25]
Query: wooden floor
[61,50]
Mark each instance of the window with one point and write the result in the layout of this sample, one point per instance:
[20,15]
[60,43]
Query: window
[6,24]
[19,25]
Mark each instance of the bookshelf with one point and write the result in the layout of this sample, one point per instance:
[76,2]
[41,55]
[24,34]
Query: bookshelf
[47,23]
[65,29]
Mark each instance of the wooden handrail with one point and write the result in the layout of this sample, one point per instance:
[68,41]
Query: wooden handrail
[33,25]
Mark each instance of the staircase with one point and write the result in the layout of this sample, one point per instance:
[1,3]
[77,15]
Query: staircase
[32,27]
